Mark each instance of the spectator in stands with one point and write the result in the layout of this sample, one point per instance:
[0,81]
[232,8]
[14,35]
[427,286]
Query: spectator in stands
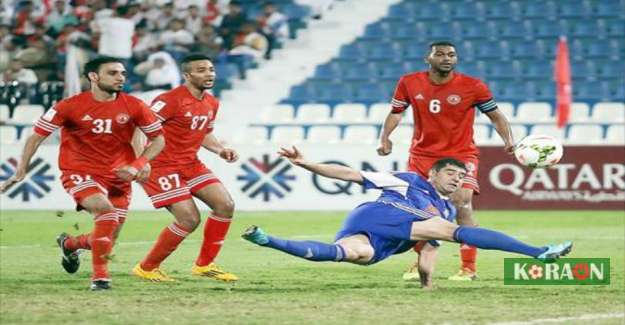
[250,42]
[41,33]
[10,46]
[160,70]
[274,25]
[318,7]
[176,40]
[115,35]
[143,42]
[208,42]
[165,16]
[231,23]
[40,57]
[24,19]
[17,72]
[59,17]
[193,21]
[213,13]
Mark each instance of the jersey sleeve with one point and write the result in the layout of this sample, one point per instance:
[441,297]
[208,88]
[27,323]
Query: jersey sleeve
[163,108]
[49,121]
[400,100]
[384,181]
[211,123]
[484,100]
[147,121]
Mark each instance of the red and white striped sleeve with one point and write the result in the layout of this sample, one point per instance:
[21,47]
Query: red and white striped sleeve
[400,100]
[147,121]
[48,122]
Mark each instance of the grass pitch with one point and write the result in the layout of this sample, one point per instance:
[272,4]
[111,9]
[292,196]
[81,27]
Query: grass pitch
[276,288]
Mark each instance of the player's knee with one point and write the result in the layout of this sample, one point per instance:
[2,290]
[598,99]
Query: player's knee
[102,208]
[358,254]
[189,219]
[225,208]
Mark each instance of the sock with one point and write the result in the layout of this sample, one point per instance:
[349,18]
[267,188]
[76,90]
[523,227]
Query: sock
[310,250]
[167,242]
[490,239]
[215,230]
[101,244]
[419,246]
[82,241]
[468,255]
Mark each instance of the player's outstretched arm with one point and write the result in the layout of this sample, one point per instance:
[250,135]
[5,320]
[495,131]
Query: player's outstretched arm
[503,129]
[30,147]
[390,123]
[427,261]
[328,170]
[211,144]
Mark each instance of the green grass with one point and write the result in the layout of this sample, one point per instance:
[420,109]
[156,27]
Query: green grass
[276,288]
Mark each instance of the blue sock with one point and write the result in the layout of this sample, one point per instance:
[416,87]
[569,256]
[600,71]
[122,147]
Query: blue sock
[310,250]
[490,239]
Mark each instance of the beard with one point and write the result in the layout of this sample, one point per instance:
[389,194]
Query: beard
[109,89]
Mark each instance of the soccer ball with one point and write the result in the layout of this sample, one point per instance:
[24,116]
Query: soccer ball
[538,151]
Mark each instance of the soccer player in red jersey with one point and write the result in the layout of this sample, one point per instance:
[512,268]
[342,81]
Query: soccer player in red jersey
[443,105]
[96,159]
[187,114]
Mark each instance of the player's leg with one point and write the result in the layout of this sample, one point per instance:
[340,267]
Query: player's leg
[167,188]
[462,200]
[440,229]
[206,187]
[314,250]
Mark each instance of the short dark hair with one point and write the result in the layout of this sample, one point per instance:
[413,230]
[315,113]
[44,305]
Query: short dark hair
[442,163]
[441,43]
[192,57]
[94,65]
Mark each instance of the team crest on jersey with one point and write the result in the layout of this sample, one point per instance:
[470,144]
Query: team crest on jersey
[122,118]
[453,99]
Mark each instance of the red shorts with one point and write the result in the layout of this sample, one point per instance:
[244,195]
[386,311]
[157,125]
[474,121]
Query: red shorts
[423,164]
[81,185]
[171,184]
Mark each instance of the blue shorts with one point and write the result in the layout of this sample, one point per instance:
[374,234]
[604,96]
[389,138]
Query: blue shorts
[387,227]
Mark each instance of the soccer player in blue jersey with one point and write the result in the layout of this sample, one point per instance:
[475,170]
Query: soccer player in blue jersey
[409,210]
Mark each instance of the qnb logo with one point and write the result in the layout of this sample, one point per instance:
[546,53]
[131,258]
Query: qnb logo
[36,181]
[266,177]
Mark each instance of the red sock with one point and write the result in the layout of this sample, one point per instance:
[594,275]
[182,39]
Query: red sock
[167,242]
[101,244]
[468,254]
[215,230]
[79,242]
[419,246]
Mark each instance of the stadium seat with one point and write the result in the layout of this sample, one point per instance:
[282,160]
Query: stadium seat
[8,134]
[324,135]
[402,134]
[615,134]
[252,135]
[580,112]
[585,134]
[26,132]
[349,113]
[519,131]
[548,129]
[378,112]
[27,114]
[313,113]
[534,112]
[360,134]
[481,134]
[609,112]
[5,113]
[507,109]
[280,113]
[287,135]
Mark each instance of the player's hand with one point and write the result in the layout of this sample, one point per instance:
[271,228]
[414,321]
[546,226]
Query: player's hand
[126,173]
[509,148]
[16,178]
[293,155]
[144,174]
[229,155]
[385,148]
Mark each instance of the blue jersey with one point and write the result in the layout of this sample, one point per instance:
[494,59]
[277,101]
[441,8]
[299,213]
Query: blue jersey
[411,192]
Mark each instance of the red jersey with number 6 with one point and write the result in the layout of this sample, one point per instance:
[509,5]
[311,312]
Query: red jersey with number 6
[95,136]
[443,114]
[186,121]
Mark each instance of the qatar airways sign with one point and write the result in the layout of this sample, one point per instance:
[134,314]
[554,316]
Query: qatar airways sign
[586,178]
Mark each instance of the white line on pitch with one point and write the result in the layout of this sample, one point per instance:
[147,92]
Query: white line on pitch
[583,317]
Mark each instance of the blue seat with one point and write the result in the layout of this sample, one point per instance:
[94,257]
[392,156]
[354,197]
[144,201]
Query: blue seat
[352,52]
[375,31]
[609,8]
[587,92]
[573,9]
[294,11]
[384,51]
[392,72]
[430,10]
[524,49]
[467,11]
[502,10]
[476,30]
[327,72]
[615,27]
[501,70]
[537,9]
[584,28]
[513,30]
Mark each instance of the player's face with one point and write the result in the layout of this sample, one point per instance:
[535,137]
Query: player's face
[448,179]
[201,74]
[110,77]
[442,58]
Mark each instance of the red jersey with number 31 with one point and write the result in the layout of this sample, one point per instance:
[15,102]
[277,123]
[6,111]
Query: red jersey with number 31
[186,121]
[95,136]
[443,114]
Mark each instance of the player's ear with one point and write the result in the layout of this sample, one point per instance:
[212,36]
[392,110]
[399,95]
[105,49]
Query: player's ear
[92,76]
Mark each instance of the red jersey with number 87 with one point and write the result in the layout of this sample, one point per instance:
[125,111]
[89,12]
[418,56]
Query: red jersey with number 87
[95,136]
[186,121]
[443,114]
